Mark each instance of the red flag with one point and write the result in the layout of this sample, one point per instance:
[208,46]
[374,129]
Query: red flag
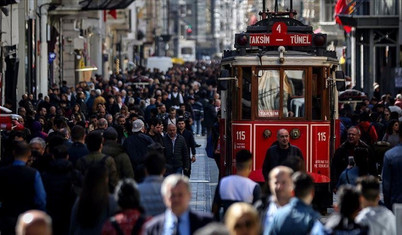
[344,7]
[113,13]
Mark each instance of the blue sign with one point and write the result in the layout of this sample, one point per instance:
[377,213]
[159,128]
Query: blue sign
[52,56]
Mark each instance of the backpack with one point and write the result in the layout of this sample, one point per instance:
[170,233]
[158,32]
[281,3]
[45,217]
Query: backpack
[365,135]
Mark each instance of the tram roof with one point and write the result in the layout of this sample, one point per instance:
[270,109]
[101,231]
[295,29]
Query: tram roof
[271,58]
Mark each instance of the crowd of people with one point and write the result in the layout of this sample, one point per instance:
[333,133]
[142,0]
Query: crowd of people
[115,124]
[114,157]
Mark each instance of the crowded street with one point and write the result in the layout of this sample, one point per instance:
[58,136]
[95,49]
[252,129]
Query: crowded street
[168,117]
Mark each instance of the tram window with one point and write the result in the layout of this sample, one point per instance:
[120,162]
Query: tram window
[293,93]
[246,94]
[268,93]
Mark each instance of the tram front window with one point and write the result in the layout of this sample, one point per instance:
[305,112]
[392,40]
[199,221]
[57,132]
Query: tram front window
[293,93]
[268,93]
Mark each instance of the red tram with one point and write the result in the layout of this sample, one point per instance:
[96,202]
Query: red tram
[280,75]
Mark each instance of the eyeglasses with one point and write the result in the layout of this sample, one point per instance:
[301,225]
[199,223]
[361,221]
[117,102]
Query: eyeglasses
[246,224]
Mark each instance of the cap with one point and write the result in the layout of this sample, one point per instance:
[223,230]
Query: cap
[137,125]
[110,134]
[375,85]
[98,91]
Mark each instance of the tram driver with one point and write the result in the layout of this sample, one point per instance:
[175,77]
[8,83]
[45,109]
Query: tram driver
[282,153]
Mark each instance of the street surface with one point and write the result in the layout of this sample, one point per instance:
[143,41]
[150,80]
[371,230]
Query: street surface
[204,178]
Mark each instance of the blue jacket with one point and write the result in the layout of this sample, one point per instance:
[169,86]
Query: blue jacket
[294,218]
[391,180]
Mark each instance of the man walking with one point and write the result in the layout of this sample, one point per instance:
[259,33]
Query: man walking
[298,217]
[237,188]
[190,142]
[178,217]
[176,152]
[21,189]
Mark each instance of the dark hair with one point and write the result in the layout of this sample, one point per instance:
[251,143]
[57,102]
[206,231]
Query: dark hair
[303,184]
[94,198]
[155,163]
[21,149]
[390,126]
[155,122]
[242,157]
[59,152]
[77,133]
[127,194]
[369,187]
[400,130]
[348,201]
[54,139]
[93,141]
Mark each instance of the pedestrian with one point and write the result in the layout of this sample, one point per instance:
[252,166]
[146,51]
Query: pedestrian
[282,153]
[94,205]
[198,114]
[94,143]
[130,218]
[60,181]
[176,152]
[136,147]
[379,219]
[21,189]
[391,182]
[178,217]
[150,188]
[392,135]
[342,221]
[238,187]
[281,187]
[155,130]
[78,149]
[297,217]
[242,218]
[34,222]
[116,151]
[190,142]
[358,151]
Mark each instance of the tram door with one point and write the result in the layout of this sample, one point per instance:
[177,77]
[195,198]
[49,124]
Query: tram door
[263,100]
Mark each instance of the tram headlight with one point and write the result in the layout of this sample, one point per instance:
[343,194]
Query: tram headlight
[319,40]
[241,41]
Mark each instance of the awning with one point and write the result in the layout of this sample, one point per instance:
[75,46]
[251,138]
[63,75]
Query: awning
[88,5]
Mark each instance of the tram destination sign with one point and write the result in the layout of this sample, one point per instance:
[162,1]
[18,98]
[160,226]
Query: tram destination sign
[279,37]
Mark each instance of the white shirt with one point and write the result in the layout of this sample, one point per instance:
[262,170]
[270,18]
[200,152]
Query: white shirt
[380,220]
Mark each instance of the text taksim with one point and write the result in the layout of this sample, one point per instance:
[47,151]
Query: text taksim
[259,39]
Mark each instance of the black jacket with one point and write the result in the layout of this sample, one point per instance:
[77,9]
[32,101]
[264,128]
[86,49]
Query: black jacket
[17,193]
[59,181]
[275,156]
[190,142]
[179,157]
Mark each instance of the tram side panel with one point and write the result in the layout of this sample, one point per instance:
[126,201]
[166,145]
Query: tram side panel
[311,138]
